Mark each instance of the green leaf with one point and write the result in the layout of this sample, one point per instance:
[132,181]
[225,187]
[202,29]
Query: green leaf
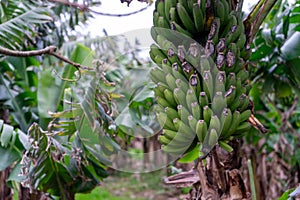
[8,157]
[20,19]
[285,195]
[18,111]
[145,93]
[291,48]
[51,88]
[49,93]
[125,119]
[191,156]
[262,51]
[15,174]
[7,134]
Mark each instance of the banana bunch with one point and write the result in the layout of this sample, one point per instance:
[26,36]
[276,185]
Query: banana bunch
[202,77]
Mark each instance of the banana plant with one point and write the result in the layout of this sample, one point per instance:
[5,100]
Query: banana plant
[202,82]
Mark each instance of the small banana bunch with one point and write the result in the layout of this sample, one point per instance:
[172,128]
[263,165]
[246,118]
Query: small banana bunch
[202,77]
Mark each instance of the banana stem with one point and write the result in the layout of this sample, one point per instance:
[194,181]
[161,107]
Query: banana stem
[256,17]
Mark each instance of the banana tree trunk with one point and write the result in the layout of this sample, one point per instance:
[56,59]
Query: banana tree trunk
[5,192]
[220,176]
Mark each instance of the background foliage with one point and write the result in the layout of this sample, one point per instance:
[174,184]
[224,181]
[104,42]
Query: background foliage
[57,152]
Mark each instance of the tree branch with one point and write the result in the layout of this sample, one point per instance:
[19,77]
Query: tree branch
[8,52]
[85,8]
[256,18]
[50,50]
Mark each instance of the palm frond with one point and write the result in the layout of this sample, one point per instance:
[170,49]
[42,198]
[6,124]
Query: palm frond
[12,143]
[18,21]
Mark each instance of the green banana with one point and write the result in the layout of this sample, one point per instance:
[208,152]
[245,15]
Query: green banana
[193,55]
[245,104]
[157,75]
[163,140]
[218,103]
[230,80]
[234,123]
[208,85]
[195,84]
[179,97]
[158,59]
[245,115]
[231,21]
[221,46]
[155,50]
[160,7]
[240,43]
[161,87]
[239,101]
[171,81]
[231,55]
[168,5]
[169,97]
[242,128]
[176,27]
[220,11]
[221,61]
[214,30]
[181,54]
[164,43]
[201,130]
[204,65]
[210,141]
[230,95]
[169,134]
[164,121]
[207,113]
[220,81]
[162,102]
[158,93]
[166,68]
[172,55]
[173,15]
[200,91]
[226,118]
[196,110]
[187,69]
[234,33]
[198,17]
[210,49]
[184,3]
[183,113]
[243,75]
[183,128]
[190,5]
[191,98]
[225,146]
[182,84]
[155,18]
[192,123]
[215,124]
[203,7]
[162,22]
[186,19]
[203,99]
[176,71]
[226,9]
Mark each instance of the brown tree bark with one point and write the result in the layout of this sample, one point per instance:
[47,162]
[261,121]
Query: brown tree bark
[220,176]
[6,193]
